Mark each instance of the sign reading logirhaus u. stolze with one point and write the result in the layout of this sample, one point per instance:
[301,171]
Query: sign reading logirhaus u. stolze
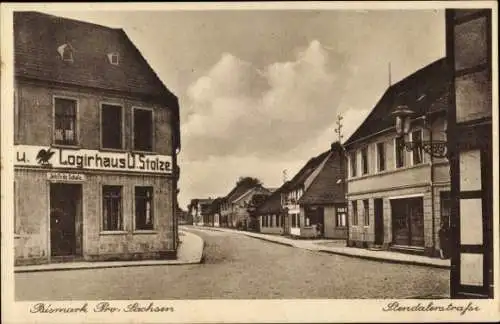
[42,156]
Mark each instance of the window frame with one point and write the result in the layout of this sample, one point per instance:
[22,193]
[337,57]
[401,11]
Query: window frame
[366,212]
[77,121]
[403,155]
[153,146]
[152,210]
[365,164]
[103,196]
[419,147]
[354,208]
[339,222]
[122,127]
[353,164]
[377,155]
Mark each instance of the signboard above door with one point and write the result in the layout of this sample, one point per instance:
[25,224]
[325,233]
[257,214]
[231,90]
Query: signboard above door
[78,159]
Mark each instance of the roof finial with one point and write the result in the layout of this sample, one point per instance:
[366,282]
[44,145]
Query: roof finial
[338,129]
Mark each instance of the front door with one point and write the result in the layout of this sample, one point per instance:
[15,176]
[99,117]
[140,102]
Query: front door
[65,219]
[408,221]
[379,221]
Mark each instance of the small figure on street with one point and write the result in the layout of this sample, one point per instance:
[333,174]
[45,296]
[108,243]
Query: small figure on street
[319,229]
[444,239]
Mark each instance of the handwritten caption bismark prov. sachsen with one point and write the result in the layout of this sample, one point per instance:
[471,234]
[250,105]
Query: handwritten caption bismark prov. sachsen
[101,307]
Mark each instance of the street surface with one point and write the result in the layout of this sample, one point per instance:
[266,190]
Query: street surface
[239,267]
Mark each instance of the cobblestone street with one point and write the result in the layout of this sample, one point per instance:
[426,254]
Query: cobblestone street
[239,267]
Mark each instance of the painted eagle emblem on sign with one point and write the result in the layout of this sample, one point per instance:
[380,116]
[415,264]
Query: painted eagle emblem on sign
[44,156]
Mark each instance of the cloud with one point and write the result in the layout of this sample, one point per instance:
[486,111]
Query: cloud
[238,109]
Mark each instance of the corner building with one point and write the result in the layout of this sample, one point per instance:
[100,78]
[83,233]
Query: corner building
[96,136]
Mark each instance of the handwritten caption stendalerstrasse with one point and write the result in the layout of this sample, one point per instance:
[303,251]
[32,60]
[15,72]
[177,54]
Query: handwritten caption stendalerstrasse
[101,307]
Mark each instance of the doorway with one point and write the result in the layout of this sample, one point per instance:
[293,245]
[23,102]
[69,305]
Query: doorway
[379,221]
[408,222]
[65,219]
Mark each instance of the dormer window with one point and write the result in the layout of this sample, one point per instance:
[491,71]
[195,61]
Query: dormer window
[66,52]
[114,58]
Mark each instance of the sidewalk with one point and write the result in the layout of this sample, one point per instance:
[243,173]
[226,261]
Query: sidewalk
[190,251]
[338,247]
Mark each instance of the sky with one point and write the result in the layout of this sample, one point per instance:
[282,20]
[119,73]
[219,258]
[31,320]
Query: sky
[259,91]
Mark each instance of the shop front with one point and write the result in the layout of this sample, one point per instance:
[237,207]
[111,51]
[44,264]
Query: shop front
[99,206]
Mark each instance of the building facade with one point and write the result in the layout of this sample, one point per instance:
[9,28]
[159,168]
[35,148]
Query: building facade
[271,215]
[469,52]
[314,198]
[96,139]
[399,198]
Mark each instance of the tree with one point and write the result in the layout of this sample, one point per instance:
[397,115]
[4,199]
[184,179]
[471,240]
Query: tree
[248,182]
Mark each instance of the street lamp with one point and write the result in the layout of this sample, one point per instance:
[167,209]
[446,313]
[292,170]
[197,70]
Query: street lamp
[435,148]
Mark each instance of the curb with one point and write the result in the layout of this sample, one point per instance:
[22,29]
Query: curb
[122,264]
[367,257]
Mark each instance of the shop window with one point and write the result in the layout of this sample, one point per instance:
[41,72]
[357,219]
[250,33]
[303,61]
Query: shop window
[112,219]
[144,208]
[341,217]
[65,120]
[364,160]
[366,212]
[353,164]
[143,130]
[400,152]
[294,224]
[381,156]
[354,205]
[111,126]
[417,153]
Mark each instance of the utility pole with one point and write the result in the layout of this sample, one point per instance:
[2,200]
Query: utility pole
[338,129]
[390,78]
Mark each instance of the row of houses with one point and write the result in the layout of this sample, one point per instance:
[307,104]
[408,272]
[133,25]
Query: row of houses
[371,190]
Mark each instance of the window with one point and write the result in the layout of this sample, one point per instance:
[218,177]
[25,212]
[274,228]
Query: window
[298,220]
[381,156]
[366,212]
[114,58]
[143,208]
[364,160]
[341,219]
[278,220]
[354,212]
[112,208]
[400,152]
[417,153]
[353,164]
[66,52]
[111,126]
[65,121]
[143,130]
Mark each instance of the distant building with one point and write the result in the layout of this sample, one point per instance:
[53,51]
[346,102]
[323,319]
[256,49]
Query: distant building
[228,208]
[200,211]
[244,206]
[271,215]
[315,197]
[96,135]
[398,198]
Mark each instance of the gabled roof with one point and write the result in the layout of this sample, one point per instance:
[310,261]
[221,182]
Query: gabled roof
[299,179]
[272,205]
[237,191]
[328,186]
[249,191]
[427,87]
[37,37]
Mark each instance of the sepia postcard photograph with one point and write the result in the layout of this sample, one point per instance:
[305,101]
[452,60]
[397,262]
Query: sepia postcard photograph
[249,162]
